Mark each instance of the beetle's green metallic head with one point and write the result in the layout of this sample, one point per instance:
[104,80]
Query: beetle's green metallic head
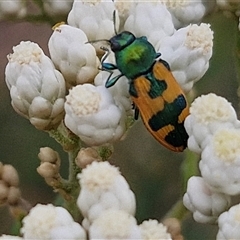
[121,40]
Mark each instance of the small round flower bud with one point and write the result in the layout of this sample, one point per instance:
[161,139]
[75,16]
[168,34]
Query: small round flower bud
[185,12]
[174,228]
[56,7]
[103,187]
[72,55]
[14,195]
[229,224]
[9,175]
[152,229]
[92,115]
[37,89]
[48,170]
[229,5]
[114,224]
[205,204]
[9,181]
[47,154]
[4,190]
[93,17]
[86,156]
[50,222]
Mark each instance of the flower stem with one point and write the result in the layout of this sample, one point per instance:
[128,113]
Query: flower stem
[68,140]
[178,211]
[69,188]
[189,168]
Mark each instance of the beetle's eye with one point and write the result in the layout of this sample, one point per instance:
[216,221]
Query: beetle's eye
[115,46]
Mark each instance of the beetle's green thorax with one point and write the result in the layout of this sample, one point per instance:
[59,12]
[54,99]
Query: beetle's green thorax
[134,56]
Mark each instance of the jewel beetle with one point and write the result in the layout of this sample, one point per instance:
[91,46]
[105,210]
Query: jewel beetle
[155,93]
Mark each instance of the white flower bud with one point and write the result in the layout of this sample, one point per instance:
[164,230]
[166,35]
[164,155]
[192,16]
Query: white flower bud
[71,54]
[14,195]
[10,237]
[114,224]
[56,7]
[150,19]
[229,5]
[16,8]
[188,52]
[87,156]
[50,222]
[93,116]
[47,154]
[229,224]
[205,204]
[37,89]
[123,8]
[4,190]
[207,114]
[220,161]
[185,12]
[152,229]
[120,90]
[102,188]
[174,228]
[94,17]
[9,175]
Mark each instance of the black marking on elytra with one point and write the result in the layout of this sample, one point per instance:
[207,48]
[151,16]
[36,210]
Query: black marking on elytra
[178,136]
[157,86]
[165,64]
[169,114]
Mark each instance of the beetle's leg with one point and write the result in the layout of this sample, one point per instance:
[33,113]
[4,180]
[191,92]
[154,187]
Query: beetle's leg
[136,112]
[111,81]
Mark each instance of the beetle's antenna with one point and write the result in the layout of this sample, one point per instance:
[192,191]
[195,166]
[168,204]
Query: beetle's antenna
[106,54]
[99,40]
[114,22]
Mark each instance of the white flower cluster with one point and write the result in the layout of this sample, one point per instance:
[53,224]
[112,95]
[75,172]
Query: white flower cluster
[56,7]
[72,56]
[37,89]
[214,133]
[98,115]
[92,114]
[11,8]
[50,222]
[9,185]
[229,5]
[185,12]
[108,206]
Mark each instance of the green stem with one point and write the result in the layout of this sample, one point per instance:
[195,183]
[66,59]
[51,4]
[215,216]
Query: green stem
[68,140]
[177,211]
[189,168]
[69,189]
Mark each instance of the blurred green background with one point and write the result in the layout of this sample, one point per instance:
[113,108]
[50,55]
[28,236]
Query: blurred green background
[151,170]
